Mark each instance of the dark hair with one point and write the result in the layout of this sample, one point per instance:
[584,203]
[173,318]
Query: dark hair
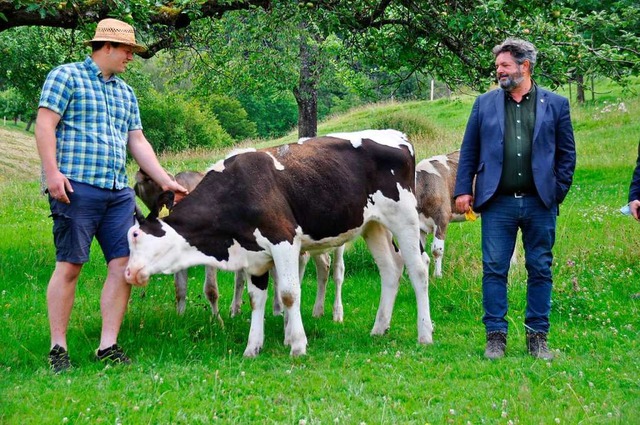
[521,50]
[97,45]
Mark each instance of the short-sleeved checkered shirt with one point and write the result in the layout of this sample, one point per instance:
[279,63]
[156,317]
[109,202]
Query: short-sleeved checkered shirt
[96,117]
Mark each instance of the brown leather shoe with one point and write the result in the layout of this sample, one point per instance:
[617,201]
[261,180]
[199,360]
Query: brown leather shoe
[537,346]
[496,345]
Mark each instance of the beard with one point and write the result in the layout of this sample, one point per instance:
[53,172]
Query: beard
[512,81]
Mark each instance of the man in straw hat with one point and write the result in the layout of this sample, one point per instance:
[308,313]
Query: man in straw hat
[87,119]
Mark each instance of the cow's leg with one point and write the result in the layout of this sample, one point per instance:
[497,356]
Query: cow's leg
[180,281]
[389,263]
[407,235]
[323,265]
[338,279]
[236,303]
[257,288]
[437,250]
[277,302]
[210,290]
[286,259]
[437,247]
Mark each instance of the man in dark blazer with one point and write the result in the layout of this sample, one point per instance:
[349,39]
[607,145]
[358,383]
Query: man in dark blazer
[519,150]
[634,190]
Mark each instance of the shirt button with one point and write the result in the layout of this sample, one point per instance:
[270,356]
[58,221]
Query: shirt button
[518,137]
[519,154]
[519,174]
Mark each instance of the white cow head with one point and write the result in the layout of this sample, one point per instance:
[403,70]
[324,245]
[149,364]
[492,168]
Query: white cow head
[155,247]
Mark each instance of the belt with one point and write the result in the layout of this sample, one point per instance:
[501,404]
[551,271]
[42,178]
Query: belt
[519,194]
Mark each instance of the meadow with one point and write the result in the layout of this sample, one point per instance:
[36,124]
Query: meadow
[190,369]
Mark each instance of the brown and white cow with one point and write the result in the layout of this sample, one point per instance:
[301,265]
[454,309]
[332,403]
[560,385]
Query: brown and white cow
[435,181]
[259,209]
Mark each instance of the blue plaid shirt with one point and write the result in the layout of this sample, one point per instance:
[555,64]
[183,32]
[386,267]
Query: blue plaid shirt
[97,115]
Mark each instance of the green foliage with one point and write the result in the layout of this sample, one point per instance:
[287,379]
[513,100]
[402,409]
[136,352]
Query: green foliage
[29,53]
[12,105]
[172,123]
[274,114]
[231,116]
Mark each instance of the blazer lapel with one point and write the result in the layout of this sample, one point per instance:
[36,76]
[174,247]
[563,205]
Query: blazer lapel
[499,103]
[541,109]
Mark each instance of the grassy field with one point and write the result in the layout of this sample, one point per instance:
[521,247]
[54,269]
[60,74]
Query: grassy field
[190,369]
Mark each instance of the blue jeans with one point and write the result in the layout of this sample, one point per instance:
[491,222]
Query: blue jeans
[501,218]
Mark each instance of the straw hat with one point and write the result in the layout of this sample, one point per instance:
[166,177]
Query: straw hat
[117,32]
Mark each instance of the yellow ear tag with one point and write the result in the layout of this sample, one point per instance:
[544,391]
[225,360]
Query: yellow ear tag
[470,215]
[164,211]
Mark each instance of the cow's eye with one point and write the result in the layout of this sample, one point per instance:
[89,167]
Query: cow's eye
[135,234]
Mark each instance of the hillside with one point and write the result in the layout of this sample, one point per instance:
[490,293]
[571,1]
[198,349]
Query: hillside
[18,155]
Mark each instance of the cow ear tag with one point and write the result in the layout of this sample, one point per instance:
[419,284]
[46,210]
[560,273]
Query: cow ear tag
[164,212]
[470,215]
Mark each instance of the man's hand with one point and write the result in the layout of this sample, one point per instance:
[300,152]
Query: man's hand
[179,191]
[463,203]
[58,186]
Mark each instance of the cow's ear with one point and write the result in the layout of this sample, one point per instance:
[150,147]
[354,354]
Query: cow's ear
[137,213]
[141,176]
[163,205]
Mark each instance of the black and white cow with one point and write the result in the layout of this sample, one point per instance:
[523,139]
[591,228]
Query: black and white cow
[148,191]
[259,209]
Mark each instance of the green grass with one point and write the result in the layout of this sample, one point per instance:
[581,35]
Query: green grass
[190,369]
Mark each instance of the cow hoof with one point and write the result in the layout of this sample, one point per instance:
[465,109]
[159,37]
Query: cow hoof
[379,330]
[252,352]
[318,311]
[180,307]
[425,340]
[300,351]
[338,315]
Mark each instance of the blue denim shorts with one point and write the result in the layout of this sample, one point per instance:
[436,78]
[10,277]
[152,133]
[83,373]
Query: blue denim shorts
[104,214]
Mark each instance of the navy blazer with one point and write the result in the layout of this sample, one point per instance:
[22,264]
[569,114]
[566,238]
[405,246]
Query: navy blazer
[553,154]
[634,188]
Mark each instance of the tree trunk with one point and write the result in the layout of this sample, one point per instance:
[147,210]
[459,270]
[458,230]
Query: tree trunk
[580,89]
[29,124]
[307,91]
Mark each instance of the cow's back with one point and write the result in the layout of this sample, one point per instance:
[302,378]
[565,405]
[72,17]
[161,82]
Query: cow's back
[321,185]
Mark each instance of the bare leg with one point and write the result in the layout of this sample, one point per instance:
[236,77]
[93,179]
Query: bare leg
[60,296]
[113,302]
